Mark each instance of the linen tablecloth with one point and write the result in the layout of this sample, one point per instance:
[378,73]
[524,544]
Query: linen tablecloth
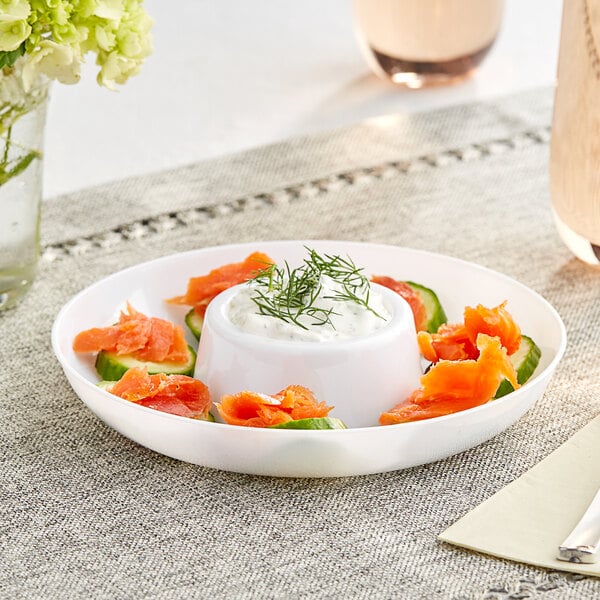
[86,513]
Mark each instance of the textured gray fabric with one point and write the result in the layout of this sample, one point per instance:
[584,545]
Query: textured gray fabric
[86,513]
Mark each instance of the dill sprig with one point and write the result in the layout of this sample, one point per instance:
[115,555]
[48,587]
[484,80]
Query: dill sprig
[291,294]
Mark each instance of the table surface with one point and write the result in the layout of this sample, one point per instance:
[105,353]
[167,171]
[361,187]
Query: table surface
[105,517]
[84,511]
[231,75]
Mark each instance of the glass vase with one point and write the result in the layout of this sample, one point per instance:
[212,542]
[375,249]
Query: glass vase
[22,122]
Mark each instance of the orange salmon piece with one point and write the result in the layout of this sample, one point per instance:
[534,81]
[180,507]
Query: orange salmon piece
[452,386]
[495,321]
[166,341]
[451,342]
[414,300]
[458,341]
[136,384]
[146,338]
[251,409]
[175,394]
[134,328]
[201,290]
[159,341]
[96,337]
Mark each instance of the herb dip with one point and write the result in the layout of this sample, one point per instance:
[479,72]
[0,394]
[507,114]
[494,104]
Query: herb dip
[348,319]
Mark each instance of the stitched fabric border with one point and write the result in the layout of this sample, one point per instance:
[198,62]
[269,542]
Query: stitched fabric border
[362,176]
[529,587]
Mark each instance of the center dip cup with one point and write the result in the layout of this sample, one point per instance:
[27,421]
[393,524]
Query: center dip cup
[360,376]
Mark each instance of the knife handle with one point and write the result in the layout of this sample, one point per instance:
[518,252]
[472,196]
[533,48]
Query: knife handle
[583,543]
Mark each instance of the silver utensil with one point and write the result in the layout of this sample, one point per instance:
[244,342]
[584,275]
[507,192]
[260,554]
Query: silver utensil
[583,543]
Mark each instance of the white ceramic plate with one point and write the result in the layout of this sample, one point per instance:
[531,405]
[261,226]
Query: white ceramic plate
[297,453]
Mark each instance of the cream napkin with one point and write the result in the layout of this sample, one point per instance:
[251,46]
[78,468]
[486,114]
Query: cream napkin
[528,519]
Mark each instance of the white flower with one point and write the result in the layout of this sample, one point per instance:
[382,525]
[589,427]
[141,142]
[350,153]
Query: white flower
[55,61]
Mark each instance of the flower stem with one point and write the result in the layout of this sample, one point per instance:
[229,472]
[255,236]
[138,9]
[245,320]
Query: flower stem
[6,147]
[12,168]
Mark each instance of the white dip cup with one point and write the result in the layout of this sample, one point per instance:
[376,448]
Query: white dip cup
[361,377]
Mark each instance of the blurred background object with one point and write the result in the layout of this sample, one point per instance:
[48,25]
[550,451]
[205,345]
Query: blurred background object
[575,143]
[419,43]
[230,75]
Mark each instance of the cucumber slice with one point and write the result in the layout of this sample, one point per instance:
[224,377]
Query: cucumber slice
[525,360]
[111,366]
[435,313]
[194,322]
[316,423]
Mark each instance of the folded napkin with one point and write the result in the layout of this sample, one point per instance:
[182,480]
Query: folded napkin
[528,519]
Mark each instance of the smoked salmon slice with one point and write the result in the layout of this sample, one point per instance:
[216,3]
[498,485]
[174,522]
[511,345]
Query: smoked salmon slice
[252,409]
[452,386]
[451,342]
[146,338]
[458,341]
[495,322]
[201,290]
[175,394]
[414,300]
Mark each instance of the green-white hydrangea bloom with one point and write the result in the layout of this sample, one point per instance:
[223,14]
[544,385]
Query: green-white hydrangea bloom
[14,28]
[122,50]
[54,61]
[57,34]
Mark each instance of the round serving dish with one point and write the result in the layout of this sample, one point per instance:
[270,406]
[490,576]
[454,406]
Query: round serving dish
[297,453]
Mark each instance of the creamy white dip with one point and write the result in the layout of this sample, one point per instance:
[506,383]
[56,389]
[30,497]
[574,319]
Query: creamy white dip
[348,319]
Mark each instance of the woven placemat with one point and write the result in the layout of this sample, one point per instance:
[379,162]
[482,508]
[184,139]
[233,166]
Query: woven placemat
[86,513]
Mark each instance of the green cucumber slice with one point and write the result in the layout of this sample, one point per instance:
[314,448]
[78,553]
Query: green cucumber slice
[316,423]
[194,322]
[525,360]
[435,313]
[111,366]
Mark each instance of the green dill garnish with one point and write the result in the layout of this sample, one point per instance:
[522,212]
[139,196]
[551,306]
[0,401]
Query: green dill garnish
[290,294]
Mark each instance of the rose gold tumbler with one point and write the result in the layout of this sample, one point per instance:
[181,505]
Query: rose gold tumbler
[417,43]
